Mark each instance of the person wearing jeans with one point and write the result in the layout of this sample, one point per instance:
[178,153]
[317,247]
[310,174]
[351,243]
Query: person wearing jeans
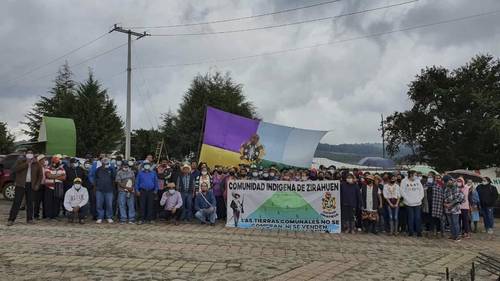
[391,196]
[185,185]
[452,200]
[125,179]
[204,205]
[412,193]
[104,176]
[488,195]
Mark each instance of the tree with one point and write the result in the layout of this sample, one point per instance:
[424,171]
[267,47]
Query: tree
[454,122]
[184,130]
[58,104]
[6,139]
[144,142]
[98,126]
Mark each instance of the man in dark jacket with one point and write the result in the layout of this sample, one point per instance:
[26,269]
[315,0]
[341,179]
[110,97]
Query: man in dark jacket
[28,176]
[104,187]
[350,196]
[185,184]
[488,195]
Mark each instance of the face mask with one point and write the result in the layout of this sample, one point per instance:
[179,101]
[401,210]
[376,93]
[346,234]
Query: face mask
[204,173]
[119,163]
[459,184]
[430,180]
[87,166]
[305,178]
[130,163]
[46,163]
[76,164]
[255,174]
[171,191]
[260,173]
[147,167]
[350,180]
[113,162]
[272,174]
[125,168]
[29,156]
[266,175]
[485,182]
[77,186]
[331,171]
[107,166]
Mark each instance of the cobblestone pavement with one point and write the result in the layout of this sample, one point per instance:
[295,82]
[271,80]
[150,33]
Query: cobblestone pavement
[62,251]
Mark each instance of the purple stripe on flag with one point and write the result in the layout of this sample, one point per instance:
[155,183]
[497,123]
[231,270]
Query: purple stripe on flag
[226,130]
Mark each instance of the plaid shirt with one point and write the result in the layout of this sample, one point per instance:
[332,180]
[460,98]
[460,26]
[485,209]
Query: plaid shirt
[454,197]
[437,201]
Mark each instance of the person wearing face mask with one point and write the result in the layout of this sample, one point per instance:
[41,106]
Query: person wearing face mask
[204,177]
[273,173]
[104,186]
[76,202]
[435,196]
[73,171]
[412,193]
[205,205]
[488,195]
[350,198]
[54,178]
[171,200]
[371,201]
[146,188]
[304,176]
[125,180]
[28,177]
[465,207]
[186,186]
[254,173]
[392,196]
[452,200]
[218,190]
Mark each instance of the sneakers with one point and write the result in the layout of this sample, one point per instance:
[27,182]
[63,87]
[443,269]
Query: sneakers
[110,220]
[131,222]
[490,231]
[10,223]
[99,221]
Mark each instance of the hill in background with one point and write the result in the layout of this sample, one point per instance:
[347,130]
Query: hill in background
[352,153]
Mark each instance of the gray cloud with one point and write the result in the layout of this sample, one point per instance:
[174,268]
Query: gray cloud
[344,87]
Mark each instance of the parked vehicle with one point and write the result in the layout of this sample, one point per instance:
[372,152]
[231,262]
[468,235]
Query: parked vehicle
[7,186]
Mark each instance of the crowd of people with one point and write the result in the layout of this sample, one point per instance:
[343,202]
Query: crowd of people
[138,192]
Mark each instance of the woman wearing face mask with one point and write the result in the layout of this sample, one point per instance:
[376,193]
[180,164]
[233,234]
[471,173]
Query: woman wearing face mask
[204,177]
[392,196]
[350,196]
[435,197]
[371,202]
[54,177]
[218,190]
[465,207]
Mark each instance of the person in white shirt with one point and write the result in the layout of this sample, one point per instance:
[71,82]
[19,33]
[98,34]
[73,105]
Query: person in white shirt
[76,202]
[392,195]
[412,193]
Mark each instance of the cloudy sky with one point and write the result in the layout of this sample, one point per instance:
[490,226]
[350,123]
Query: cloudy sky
[342,86]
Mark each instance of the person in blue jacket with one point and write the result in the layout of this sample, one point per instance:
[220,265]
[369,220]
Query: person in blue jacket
[146,188]
[204,205]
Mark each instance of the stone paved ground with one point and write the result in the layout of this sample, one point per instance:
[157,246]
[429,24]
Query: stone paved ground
[59,251]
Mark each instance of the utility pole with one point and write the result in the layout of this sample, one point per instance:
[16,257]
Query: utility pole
[383,134]
[129,82]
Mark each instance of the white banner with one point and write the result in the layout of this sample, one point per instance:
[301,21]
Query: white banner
[287,205]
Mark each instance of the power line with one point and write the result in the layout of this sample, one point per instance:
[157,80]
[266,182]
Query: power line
[238,18]
[285,24]
[58,58]
[327,43]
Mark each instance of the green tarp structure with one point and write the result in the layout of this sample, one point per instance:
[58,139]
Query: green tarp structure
[59,136]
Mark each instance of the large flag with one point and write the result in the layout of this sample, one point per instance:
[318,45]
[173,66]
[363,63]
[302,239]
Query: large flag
[231,139]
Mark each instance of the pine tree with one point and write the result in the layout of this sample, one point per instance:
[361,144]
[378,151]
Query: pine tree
[6,139]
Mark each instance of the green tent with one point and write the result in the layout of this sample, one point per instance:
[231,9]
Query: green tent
[59,135]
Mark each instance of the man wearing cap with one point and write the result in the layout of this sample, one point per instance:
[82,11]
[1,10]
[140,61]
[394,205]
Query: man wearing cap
[73,171]
[185,185]
[146,188]
[28,176]
[104,187]
[125,179]
[75,201]
[172,202]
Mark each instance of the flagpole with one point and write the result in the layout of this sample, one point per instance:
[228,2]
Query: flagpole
[202,132]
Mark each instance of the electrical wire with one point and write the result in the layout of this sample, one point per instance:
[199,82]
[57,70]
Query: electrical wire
[238,18]
[57,58]
[284,24]
[327,43]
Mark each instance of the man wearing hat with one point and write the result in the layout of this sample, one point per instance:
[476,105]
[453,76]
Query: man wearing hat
[185,185]
[172,202]
[75,202]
